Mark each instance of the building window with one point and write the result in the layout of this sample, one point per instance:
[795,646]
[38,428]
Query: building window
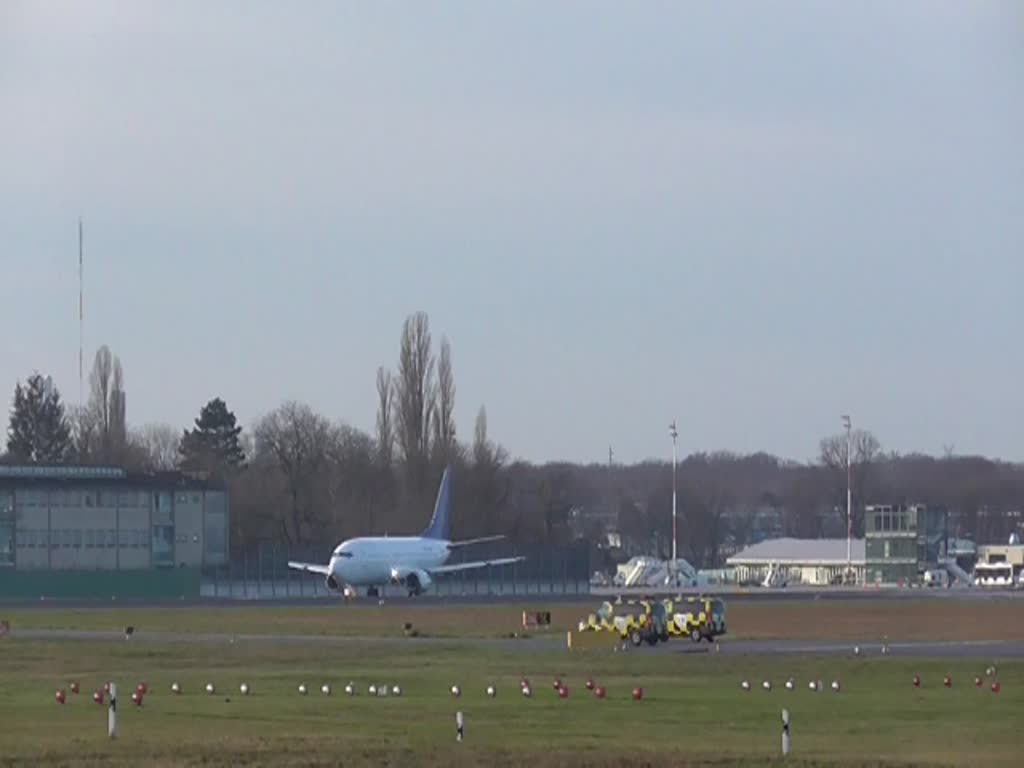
[111,538]
[163,545]
[878,522]
[77,540]
[88,499]
[90,538]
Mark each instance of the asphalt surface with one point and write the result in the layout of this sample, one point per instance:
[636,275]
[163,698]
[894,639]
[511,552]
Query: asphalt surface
[791,594]
[952,649]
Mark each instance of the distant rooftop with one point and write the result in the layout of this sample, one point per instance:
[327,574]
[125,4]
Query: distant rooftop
[62,472]
[799,552]
[17,475]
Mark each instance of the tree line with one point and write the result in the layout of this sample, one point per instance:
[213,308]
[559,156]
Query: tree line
[302,480]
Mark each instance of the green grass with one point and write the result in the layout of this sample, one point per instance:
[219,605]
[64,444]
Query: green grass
[855,621]
[693,713]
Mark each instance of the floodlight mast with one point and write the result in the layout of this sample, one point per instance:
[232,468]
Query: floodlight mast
[849,498]
[674,433]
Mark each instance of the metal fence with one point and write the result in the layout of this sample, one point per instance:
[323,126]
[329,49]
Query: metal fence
[263,574]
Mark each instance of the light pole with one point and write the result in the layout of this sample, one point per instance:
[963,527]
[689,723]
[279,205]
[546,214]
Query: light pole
[672,431]
[849,499]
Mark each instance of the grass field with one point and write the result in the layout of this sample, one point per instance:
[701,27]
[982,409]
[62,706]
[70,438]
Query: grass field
[862,620]
[693,712]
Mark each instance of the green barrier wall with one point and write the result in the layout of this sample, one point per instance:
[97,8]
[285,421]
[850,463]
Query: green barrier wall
[170,583]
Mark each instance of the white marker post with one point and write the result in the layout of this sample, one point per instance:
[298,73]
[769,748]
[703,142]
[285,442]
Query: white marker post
[459,726]
[785,732]
[112,712]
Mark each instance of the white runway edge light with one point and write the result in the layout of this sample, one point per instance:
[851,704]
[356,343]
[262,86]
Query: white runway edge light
[302,689]
[491,692]
[456,691]
[812,685]
[372,690]
[210,689]
[325,689]
[790,684]
[350,689]
[396,690]
[767,685]
[243,689]
[835,686]
[175,688]
[745,685]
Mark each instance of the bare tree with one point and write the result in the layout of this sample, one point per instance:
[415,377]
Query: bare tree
[157,445]
[299,442]
[103,430]
[865,448]
[415,398]
[488,491]
[444,421]
[385,423]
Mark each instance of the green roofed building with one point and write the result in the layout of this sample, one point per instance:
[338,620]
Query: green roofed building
[64,525]
[903,541]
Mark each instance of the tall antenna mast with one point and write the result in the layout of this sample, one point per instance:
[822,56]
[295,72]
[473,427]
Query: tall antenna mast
[81,311]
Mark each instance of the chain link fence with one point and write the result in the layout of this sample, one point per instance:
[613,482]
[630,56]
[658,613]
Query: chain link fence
[263,574]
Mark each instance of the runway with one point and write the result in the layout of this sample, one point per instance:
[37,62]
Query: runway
[554,643]
[537,600]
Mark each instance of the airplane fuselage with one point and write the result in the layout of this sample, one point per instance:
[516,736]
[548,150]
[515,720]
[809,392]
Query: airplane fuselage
[373,561]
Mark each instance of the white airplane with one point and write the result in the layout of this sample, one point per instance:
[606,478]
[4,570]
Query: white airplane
[412,561]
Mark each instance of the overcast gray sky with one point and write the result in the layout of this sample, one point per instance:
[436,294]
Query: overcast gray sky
[750,216]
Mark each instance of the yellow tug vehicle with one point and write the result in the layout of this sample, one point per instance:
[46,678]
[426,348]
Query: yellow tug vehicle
[654,621]
[699,618]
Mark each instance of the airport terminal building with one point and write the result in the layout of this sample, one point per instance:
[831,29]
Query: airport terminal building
[74,521]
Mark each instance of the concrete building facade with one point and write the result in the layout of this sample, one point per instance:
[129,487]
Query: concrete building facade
[103,518]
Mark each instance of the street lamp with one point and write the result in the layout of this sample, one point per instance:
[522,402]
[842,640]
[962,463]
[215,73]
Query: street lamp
[674,433]
[849,498]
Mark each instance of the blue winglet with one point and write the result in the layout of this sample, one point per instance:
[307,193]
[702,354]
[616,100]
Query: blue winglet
[438,528]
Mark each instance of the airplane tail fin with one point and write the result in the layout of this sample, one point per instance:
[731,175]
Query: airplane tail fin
[438,528]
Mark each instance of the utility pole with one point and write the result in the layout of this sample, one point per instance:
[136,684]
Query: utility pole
[674,433]
[849,498]
[81,311]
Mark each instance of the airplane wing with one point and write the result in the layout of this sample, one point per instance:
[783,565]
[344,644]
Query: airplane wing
[476,564]
[467,542]
[323,570]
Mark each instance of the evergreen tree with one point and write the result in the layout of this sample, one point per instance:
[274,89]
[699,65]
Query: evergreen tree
[38,431]
[213,445]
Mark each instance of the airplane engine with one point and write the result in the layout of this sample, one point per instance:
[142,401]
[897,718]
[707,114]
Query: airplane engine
[332,583]
[416,580]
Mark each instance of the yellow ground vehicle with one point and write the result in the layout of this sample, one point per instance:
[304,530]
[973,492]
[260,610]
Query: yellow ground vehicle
[648,621]
[699,618]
